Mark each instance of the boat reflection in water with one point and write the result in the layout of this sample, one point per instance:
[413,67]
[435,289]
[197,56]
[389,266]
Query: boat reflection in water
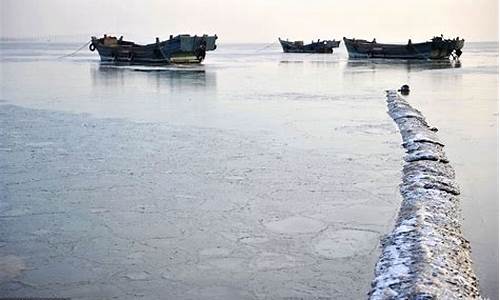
[409,65]
[175,78]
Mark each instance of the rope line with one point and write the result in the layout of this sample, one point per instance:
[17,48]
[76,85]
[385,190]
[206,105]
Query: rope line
[74,52]
[267,46]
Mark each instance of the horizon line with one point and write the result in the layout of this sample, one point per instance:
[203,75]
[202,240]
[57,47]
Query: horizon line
[67,37]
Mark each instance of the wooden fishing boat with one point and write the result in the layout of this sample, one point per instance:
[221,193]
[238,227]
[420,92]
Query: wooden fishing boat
[179,49]
[437,48]
[325,46]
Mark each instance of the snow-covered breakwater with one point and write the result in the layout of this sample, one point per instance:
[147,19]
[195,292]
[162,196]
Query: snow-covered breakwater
[426,255]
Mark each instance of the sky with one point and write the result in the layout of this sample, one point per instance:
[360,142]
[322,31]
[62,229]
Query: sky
[253,20]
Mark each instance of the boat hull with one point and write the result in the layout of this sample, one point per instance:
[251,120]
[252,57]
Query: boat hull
[178,49]
[435,49]
[317,47]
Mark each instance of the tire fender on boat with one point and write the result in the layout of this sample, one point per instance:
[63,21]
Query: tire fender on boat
[92,47]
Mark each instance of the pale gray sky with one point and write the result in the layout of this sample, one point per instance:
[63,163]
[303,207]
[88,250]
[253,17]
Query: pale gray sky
[253,20]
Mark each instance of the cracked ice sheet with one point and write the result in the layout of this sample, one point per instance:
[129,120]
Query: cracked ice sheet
[133,210]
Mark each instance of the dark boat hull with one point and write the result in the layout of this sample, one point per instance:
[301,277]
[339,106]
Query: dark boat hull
[436,49]
[179,49]
[317,47]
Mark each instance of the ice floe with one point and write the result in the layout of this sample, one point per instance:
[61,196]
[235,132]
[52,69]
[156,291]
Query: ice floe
[344,243]
[11,266]
[294,225]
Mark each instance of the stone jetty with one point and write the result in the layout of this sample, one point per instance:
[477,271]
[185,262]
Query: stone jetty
[426,255]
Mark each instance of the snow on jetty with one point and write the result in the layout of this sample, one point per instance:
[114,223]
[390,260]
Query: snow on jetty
[426,255]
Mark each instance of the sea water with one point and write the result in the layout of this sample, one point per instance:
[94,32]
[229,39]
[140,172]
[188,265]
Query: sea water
[257,174]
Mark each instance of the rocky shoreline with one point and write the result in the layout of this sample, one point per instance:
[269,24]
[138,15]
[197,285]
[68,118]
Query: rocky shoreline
[426,255]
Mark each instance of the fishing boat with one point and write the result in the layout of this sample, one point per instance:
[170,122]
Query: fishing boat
[182,48]
[324,46]
[436,48]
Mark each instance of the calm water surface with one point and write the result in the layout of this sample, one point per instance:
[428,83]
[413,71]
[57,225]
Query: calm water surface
[257,174]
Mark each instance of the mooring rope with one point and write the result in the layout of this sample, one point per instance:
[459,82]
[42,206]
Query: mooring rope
[76,51]
[267,46]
